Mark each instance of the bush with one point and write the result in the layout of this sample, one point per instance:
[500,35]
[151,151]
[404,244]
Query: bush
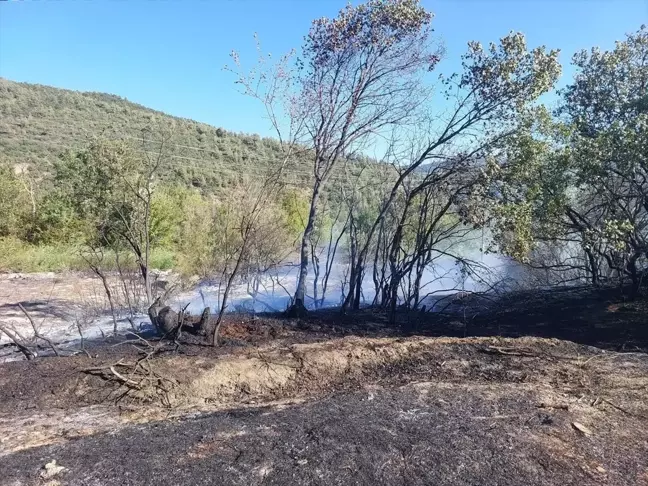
[18,256]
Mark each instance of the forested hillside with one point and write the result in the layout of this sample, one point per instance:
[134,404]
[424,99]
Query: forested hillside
[39,122]
[51,143]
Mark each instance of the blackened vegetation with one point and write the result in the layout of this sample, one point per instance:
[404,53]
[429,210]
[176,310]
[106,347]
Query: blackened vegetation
[464,411]
[606,318]
[597,317]
[482,426]
[171,324]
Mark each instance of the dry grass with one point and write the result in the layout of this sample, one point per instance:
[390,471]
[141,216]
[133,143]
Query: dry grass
[588,382]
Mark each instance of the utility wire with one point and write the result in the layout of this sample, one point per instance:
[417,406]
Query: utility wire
[209,165]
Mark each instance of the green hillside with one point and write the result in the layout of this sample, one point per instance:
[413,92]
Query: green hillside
[43,221]
[39,122]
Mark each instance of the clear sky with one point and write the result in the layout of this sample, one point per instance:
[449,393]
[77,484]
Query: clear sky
[169,55]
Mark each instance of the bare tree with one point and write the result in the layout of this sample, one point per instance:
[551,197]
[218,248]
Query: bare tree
[26,344]
[18,340]
[363,75]
[94,258]
[36,331]
[246,236]
[135,214]
[484,107]
[336,231]
[360,74]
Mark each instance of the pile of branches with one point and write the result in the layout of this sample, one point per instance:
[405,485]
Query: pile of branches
[138,380]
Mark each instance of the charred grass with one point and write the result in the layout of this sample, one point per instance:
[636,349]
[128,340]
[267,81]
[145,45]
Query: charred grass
[336,399]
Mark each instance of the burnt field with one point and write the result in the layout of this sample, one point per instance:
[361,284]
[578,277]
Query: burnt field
[542,388]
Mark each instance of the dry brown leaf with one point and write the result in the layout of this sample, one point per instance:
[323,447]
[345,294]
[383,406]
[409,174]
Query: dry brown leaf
[51,469]
[581,428]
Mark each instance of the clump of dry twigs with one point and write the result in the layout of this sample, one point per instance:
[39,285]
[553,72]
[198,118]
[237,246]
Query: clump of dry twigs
[138,380]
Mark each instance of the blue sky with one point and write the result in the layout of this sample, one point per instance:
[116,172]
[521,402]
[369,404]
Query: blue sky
[169,55]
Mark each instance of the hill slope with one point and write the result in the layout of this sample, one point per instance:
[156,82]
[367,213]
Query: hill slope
[39,122]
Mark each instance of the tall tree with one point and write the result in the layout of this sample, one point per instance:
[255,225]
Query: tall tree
[580,179]
[362,75]
[359,75]
[483,106]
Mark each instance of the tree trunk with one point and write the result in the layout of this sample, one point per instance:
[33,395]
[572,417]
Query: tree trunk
[330,260]
[631,267]
[110,299]
[299,302]
[316,273]
[147,282]
[228,288]
[393,299]
[359,277]
[593,267]
[353,273]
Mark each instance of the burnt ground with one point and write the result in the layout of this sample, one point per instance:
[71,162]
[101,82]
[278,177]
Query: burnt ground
[605,318]
[416,434]
[562,398]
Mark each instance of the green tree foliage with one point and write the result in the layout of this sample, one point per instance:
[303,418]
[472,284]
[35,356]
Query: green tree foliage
[196,242]
[581,178]
[295,204]
[57,221]
[13,203]
[170,208]
[101,184]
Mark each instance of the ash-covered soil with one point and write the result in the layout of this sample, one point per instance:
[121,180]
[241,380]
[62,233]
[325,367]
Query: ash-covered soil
[542,389]
[355,411]
[423,433]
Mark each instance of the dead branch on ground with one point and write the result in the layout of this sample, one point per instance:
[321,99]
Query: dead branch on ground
[37,334]
[509,351]
[18,341]
[139,378]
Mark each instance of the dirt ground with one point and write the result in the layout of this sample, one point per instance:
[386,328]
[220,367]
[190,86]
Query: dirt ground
[57,303]
[542,389]
[50,294]
[348,411]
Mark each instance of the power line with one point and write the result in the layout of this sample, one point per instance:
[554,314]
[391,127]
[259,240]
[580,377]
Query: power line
[179,157]
[212,168]
[141,139]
